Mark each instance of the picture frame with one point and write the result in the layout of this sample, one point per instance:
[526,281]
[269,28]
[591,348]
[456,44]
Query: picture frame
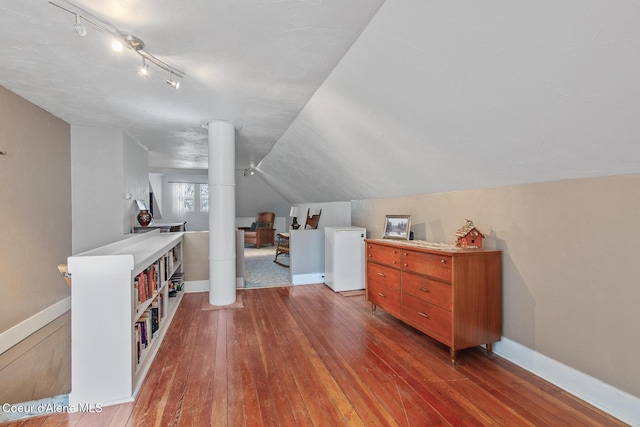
[397,227]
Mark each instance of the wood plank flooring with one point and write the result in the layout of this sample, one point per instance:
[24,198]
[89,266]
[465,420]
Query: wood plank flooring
[306,356]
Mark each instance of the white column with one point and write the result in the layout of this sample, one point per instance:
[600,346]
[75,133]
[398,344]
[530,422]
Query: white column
[222,213]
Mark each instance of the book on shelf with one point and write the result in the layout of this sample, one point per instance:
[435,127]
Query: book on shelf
[154,314]
[176,284]
[140,279]
[138,336]
[145,322]
[142,333]
[136,292]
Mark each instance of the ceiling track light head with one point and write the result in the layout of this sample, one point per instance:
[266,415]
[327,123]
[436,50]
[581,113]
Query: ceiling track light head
[174,84]
[144,70]
[78,28]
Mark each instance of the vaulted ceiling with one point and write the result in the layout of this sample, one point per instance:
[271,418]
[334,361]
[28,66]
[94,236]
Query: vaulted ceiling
[366,99]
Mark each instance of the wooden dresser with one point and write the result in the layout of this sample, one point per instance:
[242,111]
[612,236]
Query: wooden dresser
[452,295]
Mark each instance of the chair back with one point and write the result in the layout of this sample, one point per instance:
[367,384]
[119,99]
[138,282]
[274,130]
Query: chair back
[266,218]
[312,220]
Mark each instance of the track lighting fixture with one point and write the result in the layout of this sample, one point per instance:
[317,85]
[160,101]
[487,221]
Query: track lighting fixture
[173,83]
[144,70]
[121,40]
[80,29]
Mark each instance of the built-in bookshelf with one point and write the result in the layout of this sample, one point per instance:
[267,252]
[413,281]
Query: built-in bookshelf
[123,298]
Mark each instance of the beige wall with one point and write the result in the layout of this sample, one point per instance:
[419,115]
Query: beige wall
[196,255]
[35,213]
[570,263]
[39,366]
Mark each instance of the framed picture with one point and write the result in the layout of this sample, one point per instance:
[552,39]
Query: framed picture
[397,227]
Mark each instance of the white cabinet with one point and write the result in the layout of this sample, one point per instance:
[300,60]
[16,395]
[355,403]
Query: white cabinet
[344,258]
[108,363]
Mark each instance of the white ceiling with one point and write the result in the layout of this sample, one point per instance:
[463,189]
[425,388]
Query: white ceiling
[352,100]
[254,63]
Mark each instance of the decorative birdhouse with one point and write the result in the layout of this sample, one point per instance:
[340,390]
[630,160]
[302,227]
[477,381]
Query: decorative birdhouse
[469,236]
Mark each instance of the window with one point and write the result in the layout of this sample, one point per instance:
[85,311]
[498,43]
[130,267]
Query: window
[204,197]
[196,197]
[189,197]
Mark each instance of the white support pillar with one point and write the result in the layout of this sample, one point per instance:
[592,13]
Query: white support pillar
[222,213]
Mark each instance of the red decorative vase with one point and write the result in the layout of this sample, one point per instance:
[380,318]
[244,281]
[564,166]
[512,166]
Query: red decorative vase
[144,218]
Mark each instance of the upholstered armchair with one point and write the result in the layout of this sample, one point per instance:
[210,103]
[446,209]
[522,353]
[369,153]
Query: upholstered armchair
[261,231]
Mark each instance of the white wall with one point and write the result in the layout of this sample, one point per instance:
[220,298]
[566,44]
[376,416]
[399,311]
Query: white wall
[254,194]
[196,221]
[334,214]
[306,256]
[96,175]
[155,181]
[105,165]
[136,181]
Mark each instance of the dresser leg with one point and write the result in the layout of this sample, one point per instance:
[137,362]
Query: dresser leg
[373,308]
[489,347]
[452,355]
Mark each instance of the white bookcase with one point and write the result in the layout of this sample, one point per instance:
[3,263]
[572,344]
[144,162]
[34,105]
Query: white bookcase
[107,366]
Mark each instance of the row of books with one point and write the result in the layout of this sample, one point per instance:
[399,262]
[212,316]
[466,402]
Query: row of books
[148,325]
[146,284]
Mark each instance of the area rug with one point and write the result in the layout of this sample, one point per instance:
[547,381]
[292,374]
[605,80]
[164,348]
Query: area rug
[260,271]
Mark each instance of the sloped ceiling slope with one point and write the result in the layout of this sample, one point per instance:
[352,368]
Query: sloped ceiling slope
[440,96]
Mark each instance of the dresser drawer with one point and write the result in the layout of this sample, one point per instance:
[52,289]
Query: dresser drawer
[430,319]
[432,291]
[383,254]
[386,276]
[430,264]
[384,297]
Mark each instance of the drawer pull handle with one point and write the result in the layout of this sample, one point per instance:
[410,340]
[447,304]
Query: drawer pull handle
[382,295]
[426,316]
[406,254]
[370,255]
[382,274]
[406,265]
[443,261]
[394,251]
[423,289]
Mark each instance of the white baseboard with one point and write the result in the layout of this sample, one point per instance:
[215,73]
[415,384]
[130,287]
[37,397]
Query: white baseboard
[307,279]
[27,327]
[196,286]
[618,403]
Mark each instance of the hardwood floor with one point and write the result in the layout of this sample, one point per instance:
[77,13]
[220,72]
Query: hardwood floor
[305,356]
